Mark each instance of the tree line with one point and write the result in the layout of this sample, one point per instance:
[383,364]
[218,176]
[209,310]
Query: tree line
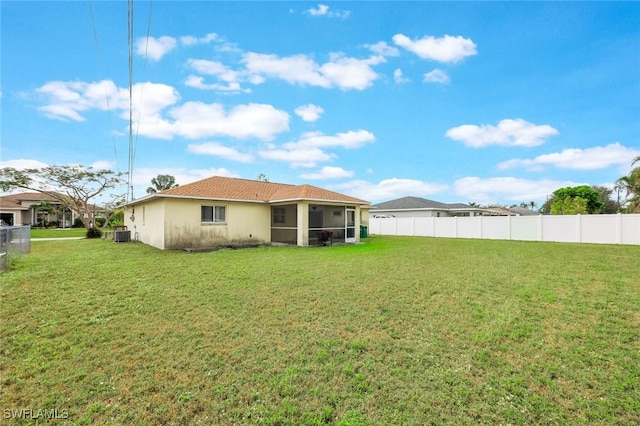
[596,199]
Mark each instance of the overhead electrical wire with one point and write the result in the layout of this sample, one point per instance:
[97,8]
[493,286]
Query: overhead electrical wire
[106,95]
[130,43]
[144,72]
[131,53]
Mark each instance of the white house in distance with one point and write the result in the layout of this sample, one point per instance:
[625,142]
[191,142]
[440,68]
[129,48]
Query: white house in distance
[220,211]
[22,209]
[421,207]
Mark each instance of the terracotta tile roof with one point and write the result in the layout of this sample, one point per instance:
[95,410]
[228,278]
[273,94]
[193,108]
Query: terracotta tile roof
[223,188]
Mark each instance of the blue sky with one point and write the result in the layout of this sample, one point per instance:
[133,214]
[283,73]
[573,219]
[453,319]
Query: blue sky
[487,102]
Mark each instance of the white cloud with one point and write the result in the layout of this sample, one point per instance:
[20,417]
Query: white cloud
[508,132]
[381,48]
[22,164]
[350,139]
[492,190]
[214,68]
[309,112]
[443,49]
[218,150]
[191,40]
[197,82]
[155,48]
[298,69]
[321,10]
[297,156]
[103,165]
[599,157]
[309,150]
[341,72]
[436,76]
[228,76]
[328,172]
[351,73]
[399,77]
[389,189]
[324,10]
[197,119]
[67,100]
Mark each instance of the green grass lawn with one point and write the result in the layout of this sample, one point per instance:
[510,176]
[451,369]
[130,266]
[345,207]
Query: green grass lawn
[397,330]
[58,233]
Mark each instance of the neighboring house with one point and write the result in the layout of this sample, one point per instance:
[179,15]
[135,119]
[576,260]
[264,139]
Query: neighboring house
[512,211]
[523,211]
[220,211]
[21,209]
[421,207]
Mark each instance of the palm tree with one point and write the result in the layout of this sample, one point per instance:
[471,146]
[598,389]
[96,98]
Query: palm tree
[161,183]
[631,186]
[46,209]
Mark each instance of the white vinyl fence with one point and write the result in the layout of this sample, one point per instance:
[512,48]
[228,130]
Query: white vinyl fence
[597,229]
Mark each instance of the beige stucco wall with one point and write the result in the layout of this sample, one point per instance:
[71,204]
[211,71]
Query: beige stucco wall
[147,225]
[174,223]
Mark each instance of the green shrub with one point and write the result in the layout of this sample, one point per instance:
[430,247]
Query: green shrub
[94,233]
[77,223]
[117,219]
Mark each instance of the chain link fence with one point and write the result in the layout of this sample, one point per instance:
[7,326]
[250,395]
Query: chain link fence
[14,241]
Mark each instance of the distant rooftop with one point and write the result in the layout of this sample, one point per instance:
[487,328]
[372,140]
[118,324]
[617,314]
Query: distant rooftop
[408,203]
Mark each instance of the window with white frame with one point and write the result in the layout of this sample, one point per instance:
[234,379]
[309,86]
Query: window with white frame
[213,214]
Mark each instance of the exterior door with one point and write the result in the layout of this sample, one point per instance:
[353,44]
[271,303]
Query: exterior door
[350,226]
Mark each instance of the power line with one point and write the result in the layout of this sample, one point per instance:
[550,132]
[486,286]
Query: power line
[106,95]
[144,72]
[130,41]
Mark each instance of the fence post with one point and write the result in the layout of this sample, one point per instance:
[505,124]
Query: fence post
[579,226]
[619,228]
[540,225]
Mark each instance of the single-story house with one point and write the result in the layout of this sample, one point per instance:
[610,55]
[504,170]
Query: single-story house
[22,209]
[512,211]
[421,207]
[220,211]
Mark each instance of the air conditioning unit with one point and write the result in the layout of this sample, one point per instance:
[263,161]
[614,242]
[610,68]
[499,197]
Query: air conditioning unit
[122,236]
